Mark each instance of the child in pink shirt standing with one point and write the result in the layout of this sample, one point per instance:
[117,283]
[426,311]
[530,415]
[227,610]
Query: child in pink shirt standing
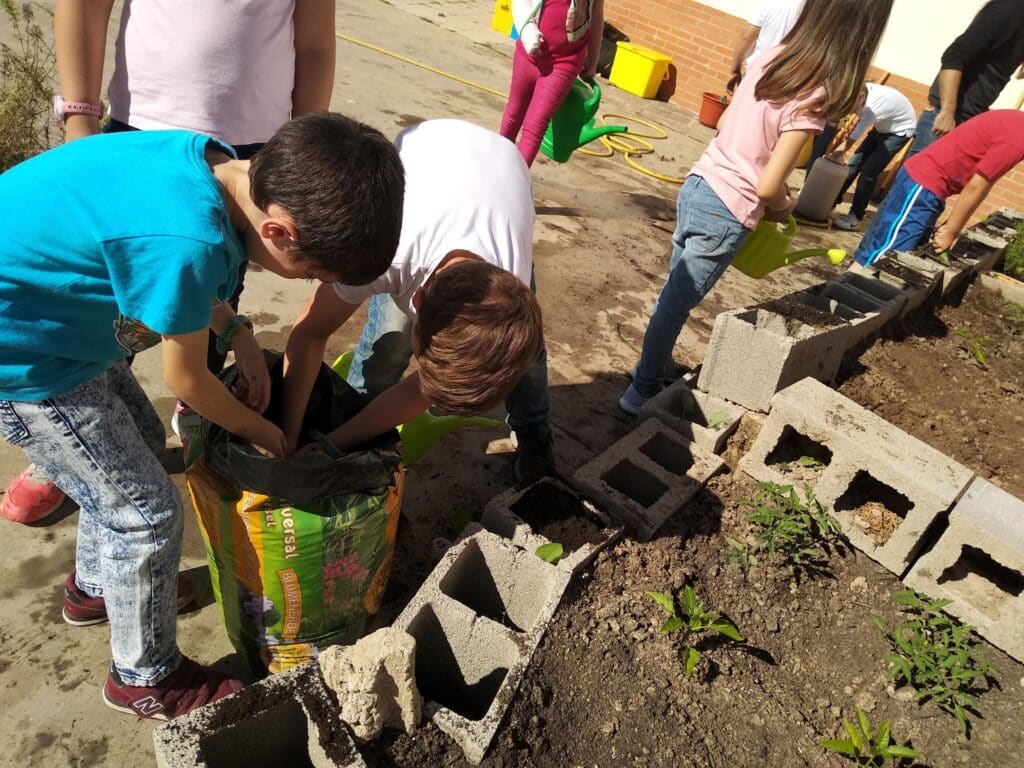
[558,40]
[788,94]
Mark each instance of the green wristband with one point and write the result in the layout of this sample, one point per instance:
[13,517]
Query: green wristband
[226,336]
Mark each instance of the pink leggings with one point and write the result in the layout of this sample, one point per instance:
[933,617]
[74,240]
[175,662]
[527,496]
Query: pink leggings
[538,88]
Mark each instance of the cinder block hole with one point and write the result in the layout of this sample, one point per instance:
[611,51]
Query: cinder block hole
[877,507]
[977,562]
[632,481]
[794,445]
[671,454]
[559,515]
[497,582]
[684,404]
[274,737]
[455,667]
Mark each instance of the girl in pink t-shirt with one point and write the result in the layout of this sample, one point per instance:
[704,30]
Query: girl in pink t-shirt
[788,94]
[558,40]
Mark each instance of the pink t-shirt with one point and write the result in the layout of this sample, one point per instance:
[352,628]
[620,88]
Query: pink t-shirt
[225,68]
[735,159]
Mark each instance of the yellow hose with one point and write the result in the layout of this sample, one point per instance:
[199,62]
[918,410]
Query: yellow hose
[630,145]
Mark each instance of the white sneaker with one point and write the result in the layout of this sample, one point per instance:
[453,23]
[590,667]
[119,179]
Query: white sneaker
[632,401]
[848,222]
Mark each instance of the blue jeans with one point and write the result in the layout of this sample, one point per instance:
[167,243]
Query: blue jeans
[98,443]
[707,236]
[923,136]
[872,157]
[385,349]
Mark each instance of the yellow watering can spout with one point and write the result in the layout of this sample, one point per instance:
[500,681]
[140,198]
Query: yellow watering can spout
[764,250]
[420,434]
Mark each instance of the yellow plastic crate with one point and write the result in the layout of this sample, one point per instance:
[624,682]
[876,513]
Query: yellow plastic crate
[639,70]
[501,20]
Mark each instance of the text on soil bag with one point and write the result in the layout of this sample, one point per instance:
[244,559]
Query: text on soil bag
[292,603]
[288,523]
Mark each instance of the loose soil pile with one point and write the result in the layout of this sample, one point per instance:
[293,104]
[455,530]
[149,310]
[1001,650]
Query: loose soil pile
[606,688]
[930,383]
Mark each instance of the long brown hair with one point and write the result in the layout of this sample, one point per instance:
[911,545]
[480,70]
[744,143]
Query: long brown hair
[831,44]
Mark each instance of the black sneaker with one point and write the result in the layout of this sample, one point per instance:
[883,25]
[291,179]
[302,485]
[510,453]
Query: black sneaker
[535,455]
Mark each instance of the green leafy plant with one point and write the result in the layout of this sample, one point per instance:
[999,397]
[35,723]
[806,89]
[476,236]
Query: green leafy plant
[738,553]
[1014,264]
[868,746]
[942,258]
[936,656]
[809,461]
[975,345]
[1014,313]
[717,419]
[550,552]
[795,528]
[26,73]
[691,618]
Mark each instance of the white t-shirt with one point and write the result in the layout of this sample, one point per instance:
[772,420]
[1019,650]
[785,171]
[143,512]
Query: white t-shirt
[888,110]
[466,188]
[222,68]
[775,18]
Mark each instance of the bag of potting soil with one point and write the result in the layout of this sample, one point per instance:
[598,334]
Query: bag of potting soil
[300,548]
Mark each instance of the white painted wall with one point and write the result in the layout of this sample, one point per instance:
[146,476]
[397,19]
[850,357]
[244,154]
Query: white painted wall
[918,33]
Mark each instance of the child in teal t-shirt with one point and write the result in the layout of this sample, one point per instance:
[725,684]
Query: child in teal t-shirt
[124,240]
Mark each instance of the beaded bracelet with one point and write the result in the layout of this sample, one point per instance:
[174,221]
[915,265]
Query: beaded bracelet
[228,334]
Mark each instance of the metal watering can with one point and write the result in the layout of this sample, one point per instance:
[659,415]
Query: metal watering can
[572,125]
[420,434]
[764,250]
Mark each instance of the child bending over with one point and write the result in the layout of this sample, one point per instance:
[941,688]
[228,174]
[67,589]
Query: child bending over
[87,279]
[787,95]
[457,297]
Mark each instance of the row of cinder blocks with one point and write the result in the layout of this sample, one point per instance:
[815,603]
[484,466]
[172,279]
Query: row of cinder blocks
[477,620]
[287,719]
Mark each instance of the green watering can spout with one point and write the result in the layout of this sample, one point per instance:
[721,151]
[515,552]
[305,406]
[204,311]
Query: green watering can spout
[424,431]
[573,124]
[764,250]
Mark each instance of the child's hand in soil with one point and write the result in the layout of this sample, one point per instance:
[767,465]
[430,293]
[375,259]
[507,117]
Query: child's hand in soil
[253,387]
[267,438]
[944,238]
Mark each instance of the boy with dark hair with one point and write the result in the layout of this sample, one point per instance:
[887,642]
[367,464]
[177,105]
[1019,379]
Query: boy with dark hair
[88,278]
[967,161]
[457,296]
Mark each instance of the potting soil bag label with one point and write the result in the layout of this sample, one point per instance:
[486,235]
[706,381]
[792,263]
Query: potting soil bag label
[291,579]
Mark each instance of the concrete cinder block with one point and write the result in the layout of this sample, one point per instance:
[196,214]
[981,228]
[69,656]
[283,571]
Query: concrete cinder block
[690,412]
[978,563]
[980,249]
[477,620]
[1007,287]
[753,353]
[872,295]
[918,279]
[885,487]
[549,511]
[647,476]
[286,719]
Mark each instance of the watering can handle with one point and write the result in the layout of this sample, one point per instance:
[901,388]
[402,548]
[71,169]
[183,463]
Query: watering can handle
[790,229]
[595,91]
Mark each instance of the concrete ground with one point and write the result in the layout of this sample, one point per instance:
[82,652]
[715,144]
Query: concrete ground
[602,243]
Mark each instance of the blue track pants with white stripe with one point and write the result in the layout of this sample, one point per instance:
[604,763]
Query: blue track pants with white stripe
[903,221]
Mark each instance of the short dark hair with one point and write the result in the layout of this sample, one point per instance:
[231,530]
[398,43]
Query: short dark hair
[479,330]
[343,184]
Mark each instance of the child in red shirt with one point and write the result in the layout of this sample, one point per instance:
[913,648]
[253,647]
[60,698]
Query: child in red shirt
[968,161]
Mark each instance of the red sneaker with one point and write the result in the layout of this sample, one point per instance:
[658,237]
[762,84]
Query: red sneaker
[81,610]
[188,687]
[29,501]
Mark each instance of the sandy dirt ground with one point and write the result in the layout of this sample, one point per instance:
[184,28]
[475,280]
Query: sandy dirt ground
[602,245]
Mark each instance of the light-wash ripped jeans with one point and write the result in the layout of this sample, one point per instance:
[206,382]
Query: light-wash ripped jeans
[385,349]
[707,236]
[99,443]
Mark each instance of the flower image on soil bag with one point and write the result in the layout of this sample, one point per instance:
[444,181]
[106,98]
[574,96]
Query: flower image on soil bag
[300,548]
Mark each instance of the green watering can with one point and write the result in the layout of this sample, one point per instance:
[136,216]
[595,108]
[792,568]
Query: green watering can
[420,434]
[573,124]
[764,250]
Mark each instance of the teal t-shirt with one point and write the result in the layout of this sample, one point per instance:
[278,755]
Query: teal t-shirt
[114,240]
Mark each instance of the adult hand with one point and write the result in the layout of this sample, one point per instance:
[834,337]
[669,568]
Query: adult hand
[944,123]
[268,439]
[253,387]
[734,79]
[944,238]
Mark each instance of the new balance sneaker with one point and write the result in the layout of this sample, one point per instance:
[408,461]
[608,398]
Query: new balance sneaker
[188,687]
[535,455]
[848,222]
[82,610]
[31,498]
[632,401]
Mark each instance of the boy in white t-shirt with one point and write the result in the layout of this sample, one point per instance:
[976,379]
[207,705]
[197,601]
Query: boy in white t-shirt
[766,27]
[457,296]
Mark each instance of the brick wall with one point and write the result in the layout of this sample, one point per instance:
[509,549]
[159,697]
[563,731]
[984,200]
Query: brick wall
[700,39]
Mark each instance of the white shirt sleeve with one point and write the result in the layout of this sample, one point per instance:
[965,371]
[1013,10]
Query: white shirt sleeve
[760,14]
[866,120]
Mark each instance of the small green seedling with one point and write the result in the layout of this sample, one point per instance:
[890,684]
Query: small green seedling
[690,617]
[687,404]
[738,553]
[942,258]
[1014,313]
[550,552]
[810,462]
[717,419]
[867,746]
[936,656]
[975,345]
[793,527]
